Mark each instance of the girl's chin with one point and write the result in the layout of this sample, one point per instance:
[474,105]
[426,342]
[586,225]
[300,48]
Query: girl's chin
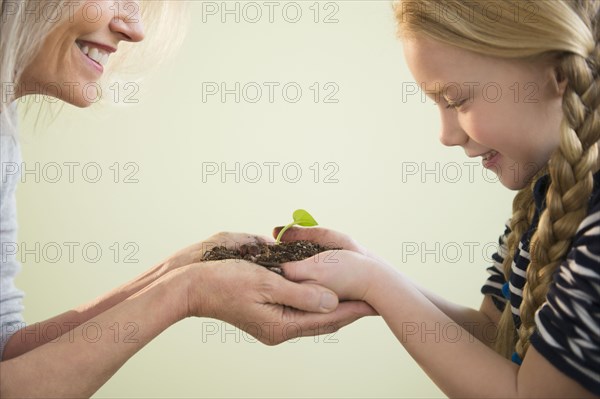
[513,175]
[513,185]
[516,181]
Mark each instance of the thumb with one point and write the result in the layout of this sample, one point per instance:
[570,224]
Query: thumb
[307,297]
[306,270]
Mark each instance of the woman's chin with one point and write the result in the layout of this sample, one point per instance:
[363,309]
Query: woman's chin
[78,102]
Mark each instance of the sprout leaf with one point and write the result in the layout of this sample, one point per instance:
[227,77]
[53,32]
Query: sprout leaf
[301,218]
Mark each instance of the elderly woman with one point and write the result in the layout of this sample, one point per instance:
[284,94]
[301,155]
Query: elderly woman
[66,46]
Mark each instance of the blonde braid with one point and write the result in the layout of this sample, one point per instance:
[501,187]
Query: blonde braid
[523,207]
[571,169]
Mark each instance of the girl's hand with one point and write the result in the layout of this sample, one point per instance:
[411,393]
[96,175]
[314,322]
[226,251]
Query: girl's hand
[326,237]
[263,303]
[349,274]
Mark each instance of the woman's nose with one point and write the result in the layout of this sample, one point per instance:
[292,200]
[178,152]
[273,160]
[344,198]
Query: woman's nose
[128,22]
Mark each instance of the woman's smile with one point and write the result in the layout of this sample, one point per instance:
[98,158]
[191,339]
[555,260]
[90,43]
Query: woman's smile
[96,55]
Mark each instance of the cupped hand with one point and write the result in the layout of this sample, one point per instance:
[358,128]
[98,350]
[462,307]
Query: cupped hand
[349,272]
[325,237]
[264,304]
[194,252]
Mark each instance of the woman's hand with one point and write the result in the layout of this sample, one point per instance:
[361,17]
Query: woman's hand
[194,252]
[263,303]
[23,342]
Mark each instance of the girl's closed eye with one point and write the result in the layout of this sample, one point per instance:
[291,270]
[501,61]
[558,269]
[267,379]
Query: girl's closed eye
[451,104]
[454,104]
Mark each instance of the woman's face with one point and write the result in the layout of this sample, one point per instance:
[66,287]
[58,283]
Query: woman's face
[74,54]
[507,112]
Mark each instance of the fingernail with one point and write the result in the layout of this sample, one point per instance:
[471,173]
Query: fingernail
[328,301]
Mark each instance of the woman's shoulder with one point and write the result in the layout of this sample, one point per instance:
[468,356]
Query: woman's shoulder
[10,157]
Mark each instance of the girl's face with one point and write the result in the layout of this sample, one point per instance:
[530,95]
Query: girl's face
[507,112]
[74,54]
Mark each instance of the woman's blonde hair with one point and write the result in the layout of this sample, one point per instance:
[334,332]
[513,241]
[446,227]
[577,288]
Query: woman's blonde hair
[26,23]
[568,32]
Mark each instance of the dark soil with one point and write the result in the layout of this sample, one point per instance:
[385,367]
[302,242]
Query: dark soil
[268,255]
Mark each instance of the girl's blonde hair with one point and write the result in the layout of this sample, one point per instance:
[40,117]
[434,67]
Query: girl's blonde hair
[24,25]
[568,32]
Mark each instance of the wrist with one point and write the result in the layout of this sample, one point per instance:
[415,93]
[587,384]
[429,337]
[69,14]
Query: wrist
[193,282]
[183,286]
[378,273]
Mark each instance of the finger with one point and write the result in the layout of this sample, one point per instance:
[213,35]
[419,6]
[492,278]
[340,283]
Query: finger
[310,324]
[304,270]
[307,297]
[319,235]
[234,240]
[359,309]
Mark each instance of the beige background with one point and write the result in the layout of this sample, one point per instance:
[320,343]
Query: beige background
[373,150]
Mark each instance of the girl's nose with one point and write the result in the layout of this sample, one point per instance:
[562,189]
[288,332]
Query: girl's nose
[451,133]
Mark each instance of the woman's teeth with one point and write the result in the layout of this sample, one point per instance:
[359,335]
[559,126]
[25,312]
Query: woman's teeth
[98,55]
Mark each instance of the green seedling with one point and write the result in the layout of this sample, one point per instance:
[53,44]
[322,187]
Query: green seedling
[301,218]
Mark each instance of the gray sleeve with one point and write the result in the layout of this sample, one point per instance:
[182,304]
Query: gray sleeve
[11,306]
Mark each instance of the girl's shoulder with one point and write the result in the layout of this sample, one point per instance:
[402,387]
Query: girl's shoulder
[588,233]
[568,323]
[585,248]
[595,197]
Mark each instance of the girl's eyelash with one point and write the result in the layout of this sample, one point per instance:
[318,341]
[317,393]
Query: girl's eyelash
[454,105]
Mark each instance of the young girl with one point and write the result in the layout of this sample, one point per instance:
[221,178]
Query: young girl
[59,48]
[537,333]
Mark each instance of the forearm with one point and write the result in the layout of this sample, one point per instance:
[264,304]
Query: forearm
[474,321]
[34,335]
[80,362]
[459,364]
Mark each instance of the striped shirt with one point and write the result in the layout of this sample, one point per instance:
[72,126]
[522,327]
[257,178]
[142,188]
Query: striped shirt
[568,323]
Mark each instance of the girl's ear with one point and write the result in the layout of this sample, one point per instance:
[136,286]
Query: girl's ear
[559,81]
